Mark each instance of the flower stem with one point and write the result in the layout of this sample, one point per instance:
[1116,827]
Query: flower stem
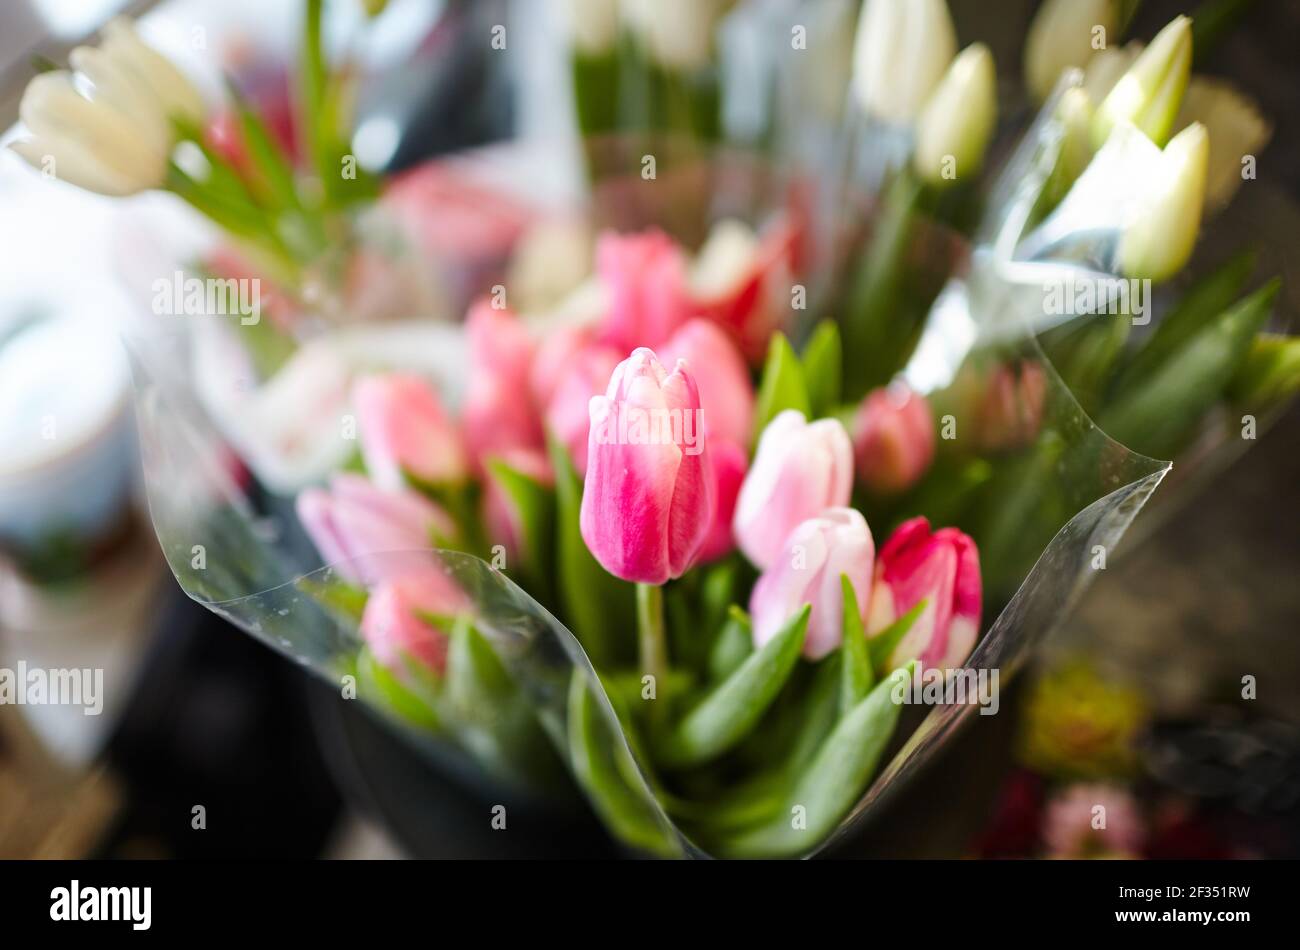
[652,643]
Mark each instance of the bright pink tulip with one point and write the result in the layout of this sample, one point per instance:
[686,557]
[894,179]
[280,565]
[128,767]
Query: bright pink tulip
[499,414]
[405,430]
[726,392]
[808,571]
[568,413]
[500,514]
[396,623]
[893,439]
[648,499]
[355,519]
[645,275]
[730,462]
[941,568]
[800,470]
[1012,410]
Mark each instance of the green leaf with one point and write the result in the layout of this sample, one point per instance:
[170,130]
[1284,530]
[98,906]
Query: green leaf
[1270,373]
[882,645]
[782,387]
[273,170]
[476,680]
[858,677]
[823,359]
[734,707]
[832,783]
[339,596]
[733,646]
[415,703]
[535,504]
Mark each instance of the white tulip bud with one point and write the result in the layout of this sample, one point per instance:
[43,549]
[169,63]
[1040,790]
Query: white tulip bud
[901,52]
[1149,94]
[1065,34]
[1235,127]
[677,33]
[955,126]
[1161,235]
[593,24]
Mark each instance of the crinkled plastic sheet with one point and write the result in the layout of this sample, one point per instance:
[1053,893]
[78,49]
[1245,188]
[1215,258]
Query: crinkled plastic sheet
[240,553]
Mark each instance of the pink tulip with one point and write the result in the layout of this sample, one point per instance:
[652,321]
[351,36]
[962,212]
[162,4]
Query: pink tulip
[502,518]
[355,519]
[729,464]
[396,623]
[814,556]
[893,439]
[554,359]
[499,415]
[648,499]
[1070,830]
[568,413]
[1012,409]
[800,470]
[645,275]
[941,568]
[726,392]
[404,430]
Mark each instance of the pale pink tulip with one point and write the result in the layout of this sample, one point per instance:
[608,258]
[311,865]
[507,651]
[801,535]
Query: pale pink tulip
[726,391]
[568,412]
[404,430]
[398,623]
[893,439]
[645,275]
[355,522]
[800,470]
[649,496]
[943,569]
[499,414]
[807,571]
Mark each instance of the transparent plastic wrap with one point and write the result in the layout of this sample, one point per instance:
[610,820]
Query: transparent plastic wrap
[520,704]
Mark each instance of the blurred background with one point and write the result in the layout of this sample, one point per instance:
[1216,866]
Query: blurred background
[1138,699]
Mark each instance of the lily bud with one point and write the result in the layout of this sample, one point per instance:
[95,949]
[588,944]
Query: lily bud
[941,568]
[648,500]
[893,439]
[355,518]
[398,624]
[404,430]
[1061,36]
[957,122]
[799,470]
[1150,93]
[117,138]
[808,571]
[1163,231]
[901,52]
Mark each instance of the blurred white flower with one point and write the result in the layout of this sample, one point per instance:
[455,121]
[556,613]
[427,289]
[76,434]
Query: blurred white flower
[902,50]
[1105,69]
[593,24]
[1161,235]
[109,127]
[955,126]
[1062,35]
[677,33]
[1149,93]
[1236,129]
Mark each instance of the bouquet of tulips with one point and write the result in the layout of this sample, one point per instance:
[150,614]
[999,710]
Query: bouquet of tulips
[670,541]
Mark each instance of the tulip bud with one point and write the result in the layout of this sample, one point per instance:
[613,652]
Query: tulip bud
[1064,35]
[568,413]
[1235,127]
[499,416]
[1161,235]
[397,623]
[1107,68]
[807,571]
[1012,409]
[404,431]
[729,464]
[799,470]
[726,391]
[649,496]
[645,275]
[943,570]
[893,439]
[355,519]
[957,122]
[1149,94]
[901,52]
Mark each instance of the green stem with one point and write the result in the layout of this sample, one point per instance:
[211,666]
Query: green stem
[652,643]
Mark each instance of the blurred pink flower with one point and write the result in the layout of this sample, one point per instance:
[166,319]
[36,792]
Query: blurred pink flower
[893,439]
[1093,821]
[499,414]
[502,518]
[398,623]
[645,275]
[730,462]
[726,391]
[1012,409]
[568,412]
[404,429]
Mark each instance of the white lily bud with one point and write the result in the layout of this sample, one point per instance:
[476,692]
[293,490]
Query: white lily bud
[1162,234]
[901,52]
[1236,129]
[955,126]
[1149,94]
[1065,34]
[593,24]
[117,138]
[677,33]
